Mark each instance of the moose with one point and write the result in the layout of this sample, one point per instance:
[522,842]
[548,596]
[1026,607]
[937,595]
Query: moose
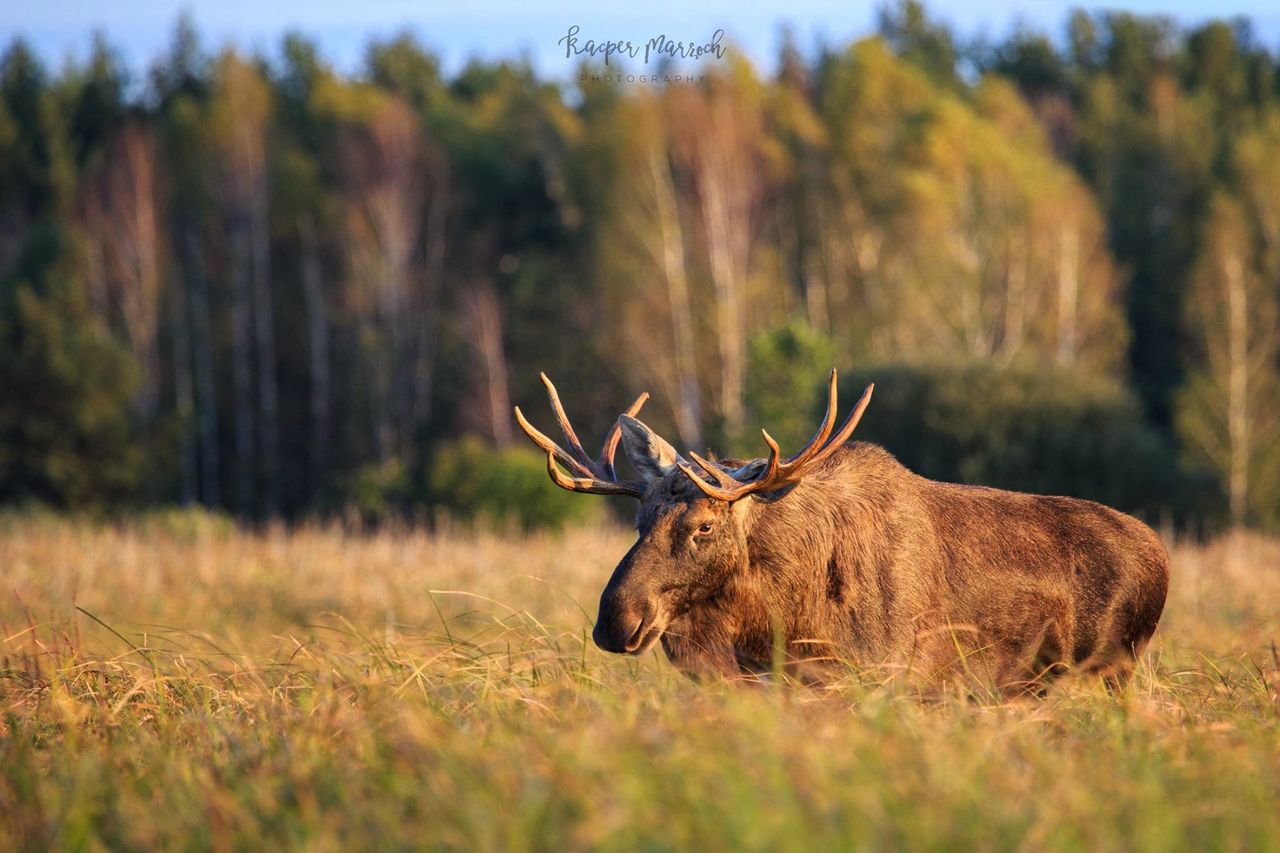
[841,554]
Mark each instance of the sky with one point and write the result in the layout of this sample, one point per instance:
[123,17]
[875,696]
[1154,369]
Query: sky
[457,31]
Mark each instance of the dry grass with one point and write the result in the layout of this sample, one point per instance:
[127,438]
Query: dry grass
[180,683]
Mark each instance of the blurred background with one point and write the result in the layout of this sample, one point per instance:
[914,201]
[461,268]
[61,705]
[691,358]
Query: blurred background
[296,267]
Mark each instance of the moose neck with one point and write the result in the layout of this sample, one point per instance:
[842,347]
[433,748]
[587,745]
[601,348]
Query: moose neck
[791,540]
[818,555]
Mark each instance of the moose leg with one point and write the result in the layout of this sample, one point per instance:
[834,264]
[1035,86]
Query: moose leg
[1029,646]
[1114,664]
[1046,658]
[1129,625]
[1113,667]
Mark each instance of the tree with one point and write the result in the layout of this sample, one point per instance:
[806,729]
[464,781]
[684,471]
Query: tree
[376,263]
[1007,247]
[99,103]
[36,170]
[804,165]
[718,145]
[1229,411]
[64,416]
[874,108]
[1147,150]
[645,255]
[239,116]
[923,42]
[180,90]
[394,209]
[788,371]
[483,321]
[126,244]
[308,220]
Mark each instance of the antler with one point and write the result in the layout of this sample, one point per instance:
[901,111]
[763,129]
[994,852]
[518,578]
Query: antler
[778,474]
[593,476]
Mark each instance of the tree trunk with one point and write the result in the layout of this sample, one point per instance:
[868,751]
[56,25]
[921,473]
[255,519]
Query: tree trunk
[96,277]
[242,367]
[136,240]
[428,313]
[486,337]
[729,321]
[1015,299]
[385,348]
[688,408]
[403,365]
[318,350]
[183,397]
[1237,391]
[1068,295]
[809,234]
[264,334]
[206,391]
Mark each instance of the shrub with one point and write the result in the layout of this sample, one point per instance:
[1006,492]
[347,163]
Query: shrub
[1050,432]
[185,523]
[65,418]
[376,492]
[785,365]
[470,480]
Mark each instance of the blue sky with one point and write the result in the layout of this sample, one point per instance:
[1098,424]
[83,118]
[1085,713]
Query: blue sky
[140,29]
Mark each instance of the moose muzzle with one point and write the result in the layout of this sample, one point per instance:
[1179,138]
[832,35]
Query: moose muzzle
[626,625]
[630,618]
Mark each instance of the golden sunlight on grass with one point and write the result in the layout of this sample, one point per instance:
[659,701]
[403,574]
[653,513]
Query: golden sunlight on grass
[178,682]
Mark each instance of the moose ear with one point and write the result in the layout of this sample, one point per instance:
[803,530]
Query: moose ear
[752,470]
[651,455]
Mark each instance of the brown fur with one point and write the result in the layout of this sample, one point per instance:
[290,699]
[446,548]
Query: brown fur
[866,562]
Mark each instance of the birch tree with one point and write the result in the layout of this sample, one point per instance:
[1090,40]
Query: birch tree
[125,253]
[648,255]
[240,114]
[394,205]
[719,132]
[1229,411]
[482,316]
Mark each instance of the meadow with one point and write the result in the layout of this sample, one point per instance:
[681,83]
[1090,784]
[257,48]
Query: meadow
[179,682]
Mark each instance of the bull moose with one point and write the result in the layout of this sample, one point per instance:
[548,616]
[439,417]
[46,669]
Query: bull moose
[839,553]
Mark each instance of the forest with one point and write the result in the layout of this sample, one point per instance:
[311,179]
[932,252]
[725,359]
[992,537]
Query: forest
[260,286]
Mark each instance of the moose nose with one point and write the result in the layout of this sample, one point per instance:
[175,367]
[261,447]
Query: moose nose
[621,637]
[622,627]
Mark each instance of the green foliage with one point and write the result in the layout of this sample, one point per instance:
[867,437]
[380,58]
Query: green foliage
[185,524]
[472,481]
[786,368]
[920,39]
[1050,432]
[1037,200]
[377,492]
[65,436]
[1207,434]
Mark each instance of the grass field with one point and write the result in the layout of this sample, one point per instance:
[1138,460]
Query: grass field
[180,683]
